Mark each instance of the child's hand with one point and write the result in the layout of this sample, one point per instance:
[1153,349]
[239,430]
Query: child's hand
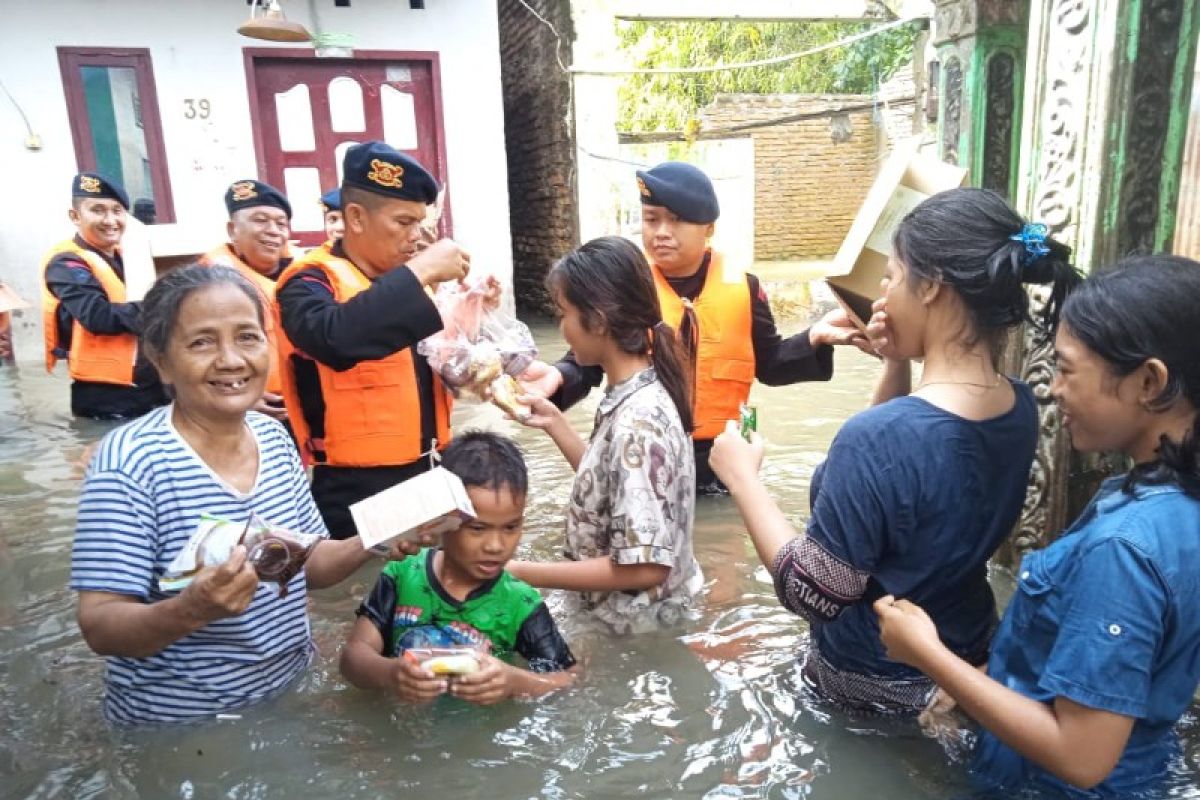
[907,632]
[543,414]
[415,684]
[733,459]
[486,687]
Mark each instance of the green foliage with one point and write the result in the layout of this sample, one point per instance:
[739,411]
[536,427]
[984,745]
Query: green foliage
[671,102]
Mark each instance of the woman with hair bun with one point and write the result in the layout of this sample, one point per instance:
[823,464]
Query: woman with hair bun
[918,491]
[1098,655]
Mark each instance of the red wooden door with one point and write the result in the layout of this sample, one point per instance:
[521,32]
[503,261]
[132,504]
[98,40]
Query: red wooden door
[308,111]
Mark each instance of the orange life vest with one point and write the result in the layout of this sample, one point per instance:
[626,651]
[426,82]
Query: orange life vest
[373,409]
[725,364]
[224,254]
[93,357]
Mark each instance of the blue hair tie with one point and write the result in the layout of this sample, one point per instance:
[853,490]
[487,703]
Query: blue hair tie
[1033,236]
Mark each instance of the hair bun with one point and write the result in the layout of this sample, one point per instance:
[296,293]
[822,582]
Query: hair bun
[1039,270]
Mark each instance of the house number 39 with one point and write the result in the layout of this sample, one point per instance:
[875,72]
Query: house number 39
[196,109]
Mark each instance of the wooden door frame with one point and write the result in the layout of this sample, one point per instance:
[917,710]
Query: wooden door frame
[252,54]
[70,58]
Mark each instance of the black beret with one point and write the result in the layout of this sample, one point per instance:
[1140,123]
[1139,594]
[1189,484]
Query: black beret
[89,184]
[331,201]
[683,189]
[251,193]
[380,168]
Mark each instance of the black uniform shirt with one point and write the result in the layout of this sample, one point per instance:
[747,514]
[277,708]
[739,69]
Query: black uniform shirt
[777,361]
[81,298]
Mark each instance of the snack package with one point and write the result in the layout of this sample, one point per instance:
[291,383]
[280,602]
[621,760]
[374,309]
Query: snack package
[479,350]
[443,649]
[276,554]
[504,392]
[449,661]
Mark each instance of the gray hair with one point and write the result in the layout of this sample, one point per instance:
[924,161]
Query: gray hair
[160,309]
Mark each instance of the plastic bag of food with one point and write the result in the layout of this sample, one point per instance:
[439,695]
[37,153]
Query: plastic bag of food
[479,349]
[277,554]
[446,661]
[443,649]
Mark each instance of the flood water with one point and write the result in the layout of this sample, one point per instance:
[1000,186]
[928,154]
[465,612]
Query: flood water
[717,712]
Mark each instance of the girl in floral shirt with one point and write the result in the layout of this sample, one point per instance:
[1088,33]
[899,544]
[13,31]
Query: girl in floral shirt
[629,523]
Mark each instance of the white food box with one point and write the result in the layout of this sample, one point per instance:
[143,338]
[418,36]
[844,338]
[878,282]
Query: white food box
[434,503]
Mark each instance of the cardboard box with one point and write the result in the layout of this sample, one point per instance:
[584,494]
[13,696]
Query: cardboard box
[905,180]
[434,503]
[150,250]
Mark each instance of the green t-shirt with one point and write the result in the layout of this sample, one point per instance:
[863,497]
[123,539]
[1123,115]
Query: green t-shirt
[506,612]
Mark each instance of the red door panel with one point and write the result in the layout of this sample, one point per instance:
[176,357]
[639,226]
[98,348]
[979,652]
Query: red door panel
[299,153]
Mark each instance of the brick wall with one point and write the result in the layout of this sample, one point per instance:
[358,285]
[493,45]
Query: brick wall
[539,143]
[807,188]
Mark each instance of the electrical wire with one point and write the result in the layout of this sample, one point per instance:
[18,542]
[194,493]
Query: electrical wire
[557,38]
[17,106]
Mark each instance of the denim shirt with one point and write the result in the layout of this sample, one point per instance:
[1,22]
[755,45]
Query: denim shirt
[1108,616]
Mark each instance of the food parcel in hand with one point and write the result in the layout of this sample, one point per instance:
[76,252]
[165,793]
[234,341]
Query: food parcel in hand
[443,650]
[431,503]
[446,661]
[276,554]
[479,350]
[907,179]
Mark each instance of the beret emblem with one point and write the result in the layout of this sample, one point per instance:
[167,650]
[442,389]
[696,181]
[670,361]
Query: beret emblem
[386,174]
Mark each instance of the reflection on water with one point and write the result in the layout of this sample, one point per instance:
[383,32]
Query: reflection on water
[716,711]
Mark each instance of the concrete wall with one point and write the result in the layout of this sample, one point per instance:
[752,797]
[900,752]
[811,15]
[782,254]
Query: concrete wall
[807,187]
[539,133]
[197,53]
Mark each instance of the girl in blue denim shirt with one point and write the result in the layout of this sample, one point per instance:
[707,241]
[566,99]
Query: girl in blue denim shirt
[1098,654]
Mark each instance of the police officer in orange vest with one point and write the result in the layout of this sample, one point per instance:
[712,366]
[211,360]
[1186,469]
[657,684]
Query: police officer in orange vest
[366,408]
[259,224]
[724,322]
[85,316]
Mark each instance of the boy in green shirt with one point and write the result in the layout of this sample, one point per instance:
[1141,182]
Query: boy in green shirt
[460,594]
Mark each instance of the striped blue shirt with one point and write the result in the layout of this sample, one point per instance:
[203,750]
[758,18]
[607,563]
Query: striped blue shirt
[142,498]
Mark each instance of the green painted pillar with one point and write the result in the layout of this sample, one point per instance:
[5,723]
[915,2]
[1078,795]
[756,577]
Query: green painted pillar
[981,57]
[1101,147]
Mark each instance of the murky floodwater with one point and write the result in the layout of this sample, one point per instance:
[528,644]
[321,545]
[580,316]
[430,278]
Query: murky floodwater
[717,713]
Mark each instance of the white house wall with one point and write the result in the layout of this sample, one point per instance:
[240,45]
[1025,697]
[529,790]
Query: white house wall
[197,53]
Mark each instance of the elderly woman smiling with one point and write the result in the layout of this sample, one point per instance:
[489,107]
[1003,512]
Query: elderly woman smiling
[226,640]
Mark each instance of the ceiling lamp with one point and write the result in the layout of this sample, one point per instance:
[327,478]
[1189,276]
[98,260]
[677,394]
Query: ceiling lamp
[271,25]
